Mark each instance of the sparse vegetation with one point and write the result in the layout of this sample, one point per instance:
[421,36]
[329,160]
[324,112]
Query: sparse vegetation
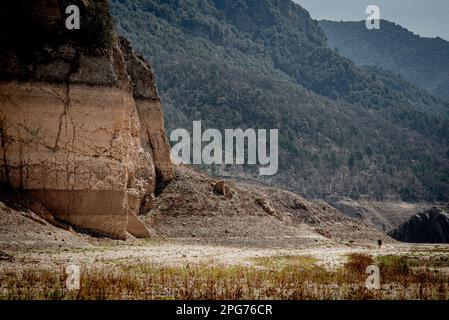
[279,277]
[358,262]
[299,262]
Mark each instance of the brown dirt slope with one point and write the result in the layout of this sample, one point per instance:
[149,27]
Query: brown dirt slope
[190,208]
[383,215]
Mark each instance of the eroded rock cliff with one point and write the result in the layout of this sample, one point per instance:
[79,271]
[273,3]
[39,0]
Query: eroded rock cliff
[81,123]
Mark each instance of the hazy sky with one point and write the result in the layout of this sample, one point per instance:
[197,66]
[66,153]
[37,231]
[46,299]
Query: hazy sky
[428,18]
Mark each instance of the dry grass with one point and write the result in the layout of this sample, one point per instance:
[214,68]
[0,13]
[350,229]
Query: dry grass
[358,262]
[300,262]
[281,277]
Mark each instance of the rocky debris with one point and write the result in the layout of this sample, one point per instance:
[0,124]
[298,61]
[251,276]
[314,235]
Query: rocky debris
[190,204]
[266,206]
[81,123]
[24,230]
[431,226]
[6,257]
[221,188]
[29,207]
[148,204]
[326,220]
[324,233]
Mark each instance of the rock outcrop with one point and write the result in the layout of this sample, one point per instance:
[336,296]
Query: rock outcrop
[431,226]
[81,122]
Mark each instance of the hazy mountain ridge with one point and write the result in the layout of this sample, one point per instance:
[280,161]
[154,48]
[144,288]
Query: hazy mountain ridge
[214,64]
[422,61]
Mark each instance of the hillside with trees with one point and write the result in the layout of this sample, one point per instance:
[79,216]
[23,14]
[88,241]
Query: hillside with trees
[422,61]
[344,130]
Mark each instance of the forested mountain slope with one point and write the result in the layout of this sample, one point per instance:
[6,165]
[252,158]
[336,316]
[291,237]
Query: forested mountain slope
[265,64]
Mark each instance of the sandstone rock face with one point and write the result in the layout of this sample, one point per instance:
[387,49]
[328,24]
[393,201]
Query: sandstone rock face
[81,123]
[149,109]
[427,227]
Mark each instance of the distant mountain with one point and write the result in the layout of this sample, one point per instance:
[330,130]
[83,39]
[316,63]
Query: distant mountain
[428,227]
[422,61]
[344,130]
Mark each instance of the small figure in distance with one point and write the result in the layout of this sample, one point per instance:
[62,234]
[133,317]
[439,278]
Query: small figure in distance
[379,243]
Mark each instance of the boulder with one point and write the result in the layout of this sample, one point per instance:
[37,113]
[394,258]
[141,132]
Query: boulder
[222,189]
[431,226]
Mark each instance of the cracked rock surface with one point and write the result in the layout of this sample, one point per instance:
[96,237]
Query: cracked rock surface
[81,123]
